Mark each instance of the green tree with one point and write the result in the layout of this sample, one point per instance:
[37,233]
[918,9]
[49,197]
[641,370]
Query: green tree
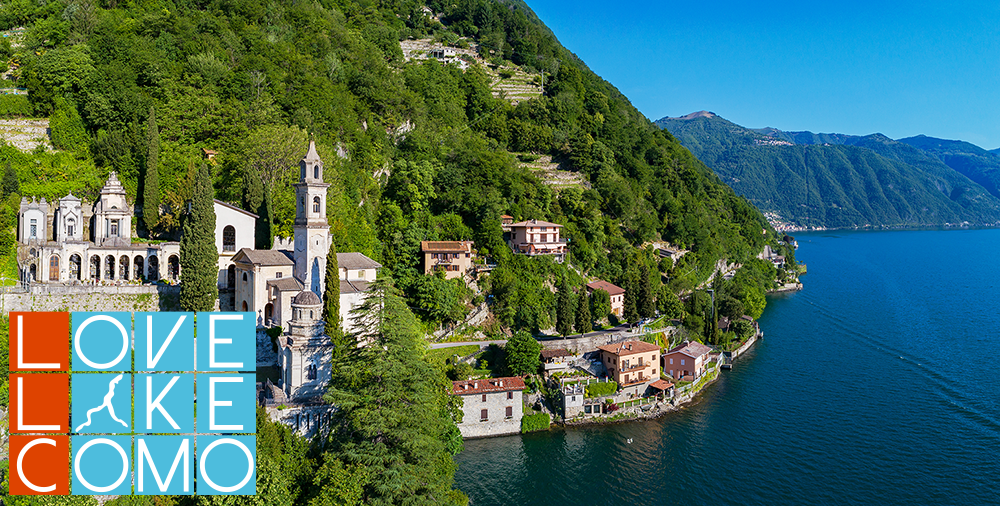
[564,309]
[731,307]
[331,301]
[646,300]
[522,354]
[668,303]
[631,313]
[600,303]
[66,127]
[584,321]
[199,258]
[11,184]
[753,301]
[743,328]
[394,419]
[151,181]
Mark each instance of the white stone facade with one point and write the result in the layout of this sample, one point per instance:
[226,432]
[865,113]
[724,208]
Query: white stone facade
[490,407]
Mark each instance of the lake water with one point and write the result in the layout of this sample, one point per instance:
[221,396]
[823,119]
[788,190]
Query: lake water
[877,384]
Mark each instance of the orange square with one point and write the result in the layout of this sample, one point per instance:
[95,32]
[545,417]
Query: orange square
[39,465]
[39,403]
[39,341]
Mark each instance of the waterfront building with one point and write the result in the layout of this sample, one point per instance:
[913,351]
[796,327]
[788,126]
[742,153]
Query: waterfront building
[491,406]
[617,296]
[687,361]
[633,364]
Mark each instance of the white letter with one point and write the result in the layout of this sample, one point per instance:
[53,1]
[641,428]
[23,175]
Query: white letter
[212,403]
[150,360]
[204,470]
[20,413]
[212,341]
[150,406]
[101,318]
[102,441]
[20,458]
[21,364]
[182,451]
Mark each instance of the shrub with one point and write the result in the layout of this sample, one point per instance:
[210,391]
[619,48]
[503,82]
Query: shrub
[535,422]
[611,407]
[601,389]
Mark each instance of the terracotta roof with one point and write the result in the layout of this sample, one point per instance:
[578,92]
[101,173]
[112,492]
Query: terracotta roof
[506,216]
[448,246]
[288,284]
[234,208]
[353,261]
[482,386]
[600,284]
[535,223]
[265,256]
[661,385]
[693,349]
[629,348]
[353,286]
[547,354]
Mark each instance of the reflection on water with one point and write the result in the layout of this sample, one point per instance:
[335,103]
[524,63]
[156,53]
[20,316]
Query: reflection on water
[872,386]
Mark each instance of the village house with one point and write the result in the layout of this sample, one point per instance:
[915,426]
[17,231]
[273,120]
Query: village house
[535,237]
[490,407]
[617,296]
[506,221]
[687,361]
[453,257]
[633,364]
[555,359]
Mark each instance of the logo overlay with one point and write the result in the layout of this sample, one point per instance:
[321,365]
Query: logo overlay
[89,416]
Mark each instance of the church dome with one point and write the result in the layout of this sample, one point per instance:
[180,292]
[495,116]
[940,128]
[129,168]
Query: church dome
[306,298]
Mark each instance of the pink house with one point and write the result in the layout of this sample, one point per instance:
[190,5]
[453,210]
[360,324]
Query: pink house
[617,296]
[687,361]
[536,237]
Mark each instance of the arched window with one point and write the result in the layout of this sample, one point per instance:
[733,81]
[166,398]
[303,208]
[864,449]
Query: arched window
[74,266]
[70,227]
[231,277]
[54,268]
[95,267]
[245,305]
[229,238]
[311,372]
[123,267]
[315,204]
[153,272]
[109,267]
[137,270]
[316,172]
[173,267]
[244,277]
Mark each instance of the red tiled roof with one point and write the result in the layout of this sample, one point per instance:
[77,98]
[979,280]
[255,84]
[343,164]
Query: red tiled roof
[547,354]
[535,223]
[693,349]
[629,348]
[482,386]
[661,385]
[600,284]
[449,246]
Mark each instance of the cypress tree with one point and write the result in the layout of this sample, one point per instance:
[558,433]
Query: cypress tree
[151,183]
[331,301]
[199,258]
[265,237]
[11,185]
[584,322]
[564,309]
[631,313]
[647,303]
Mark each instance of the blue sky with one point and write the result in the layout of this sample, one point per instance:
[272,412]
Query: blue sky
[899,69]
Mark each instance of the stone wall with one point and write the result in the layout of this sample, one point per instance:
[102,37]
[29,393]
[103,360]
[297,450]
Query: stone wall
[497,424]
[94,298]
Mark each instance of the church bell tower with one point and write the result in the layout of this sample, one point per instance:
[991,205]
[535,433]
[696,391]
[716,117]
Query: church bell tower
[312,232]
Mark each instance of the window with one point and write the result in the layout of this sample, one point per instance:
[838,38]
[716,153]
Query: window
[114,228]
[316,172]
[510,412]
[510,395]
[54,268]
[682,361]
[315,204]
[278,274]
[34,229]
[311,372]
[229,238]
[484,397]
[244,277]
[70,227]
[484,415]
[671,361]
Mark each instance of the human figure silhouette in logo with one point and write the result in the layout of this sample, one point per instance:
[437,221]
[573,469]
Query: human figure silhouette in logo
[107,404]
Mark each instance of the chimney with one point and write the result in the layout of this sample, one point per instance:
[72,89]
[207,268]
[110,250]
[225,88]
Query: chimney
[501,383]
[475,385]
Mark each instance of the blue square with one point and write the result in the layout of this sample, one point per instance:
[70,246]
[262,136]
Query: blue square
[102,403]
[227,342]
[164,402]
[164,341]
[102,465]
[227,465]
[227,403]
[164,465]
[102,341]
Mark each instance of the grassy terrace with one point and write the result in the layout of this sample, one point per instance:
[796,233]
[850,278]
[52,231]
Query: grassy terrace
[441,355]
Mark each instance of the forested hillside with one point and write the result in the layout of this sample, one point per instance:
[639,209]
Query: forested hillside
[414,151]
[836,180]
[973,161]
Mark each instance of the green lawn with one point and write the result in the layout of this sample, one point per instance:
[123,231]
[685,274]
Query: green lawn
[441,355]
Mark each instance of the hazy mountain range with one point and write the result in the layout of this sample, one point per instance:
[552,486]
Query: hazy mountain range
[839,180]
